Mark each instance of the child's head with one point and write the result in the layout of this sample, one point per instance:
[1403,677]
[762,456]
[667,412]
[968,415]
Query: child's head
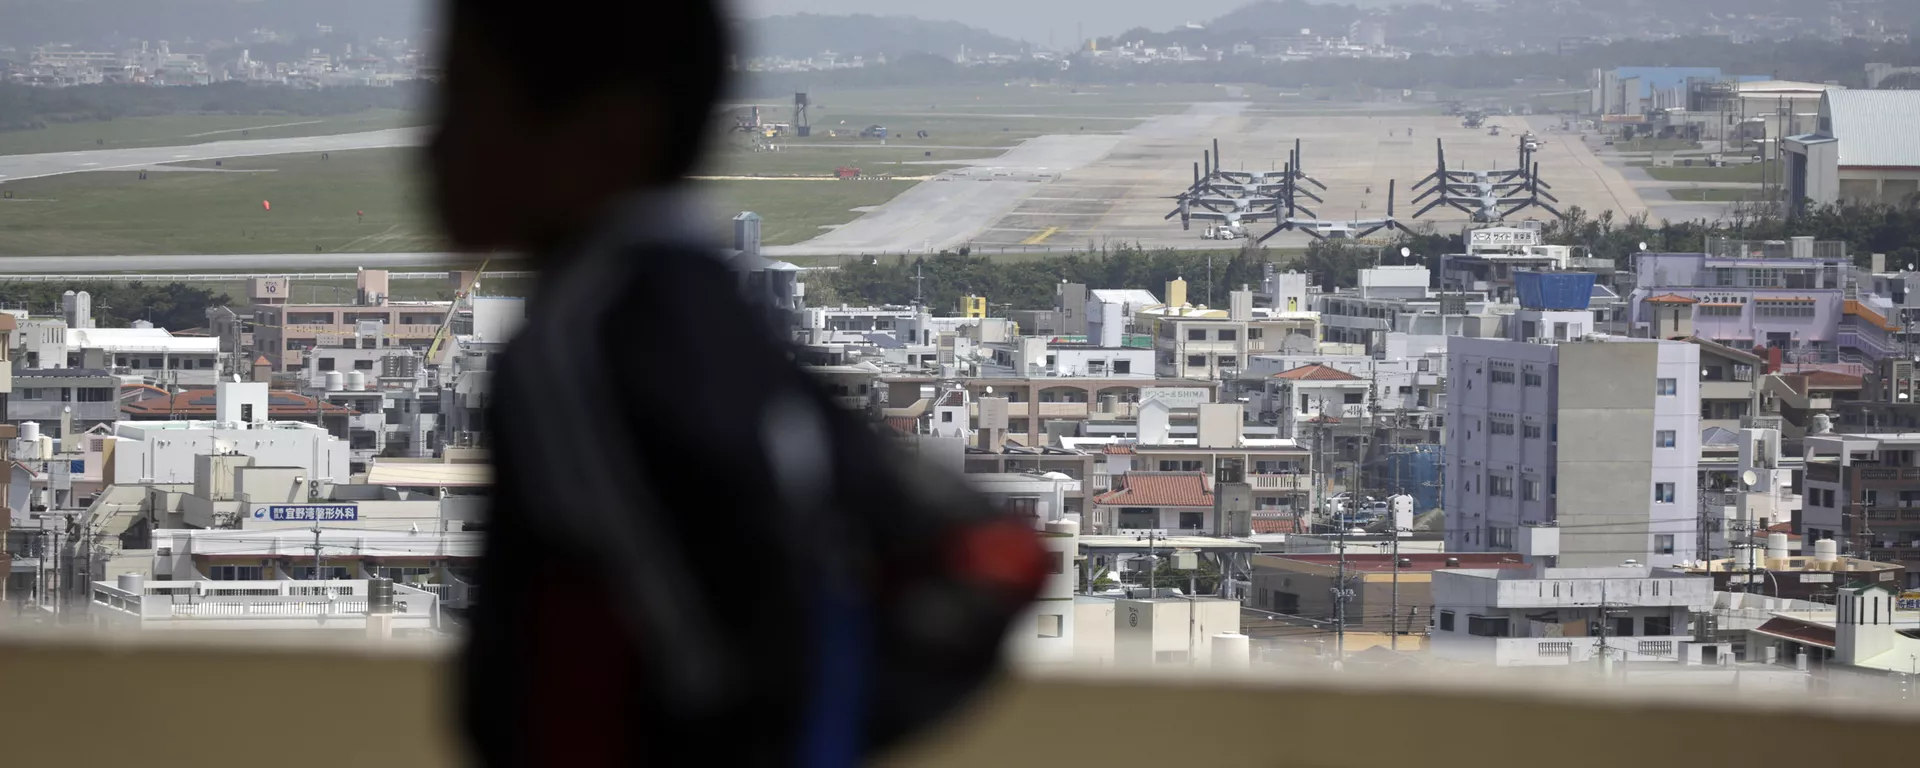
[549,109]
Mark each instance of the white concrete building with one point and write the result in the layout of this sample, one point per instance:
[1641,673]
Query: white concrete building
[1561,616]
[150,354]
[1598,435]
[167,451]
[1035,356]
[1045,633]
[335,606]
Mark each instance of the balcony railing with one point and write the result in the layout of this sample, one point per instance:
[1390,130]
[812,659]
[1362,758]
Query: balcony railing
[1288,481]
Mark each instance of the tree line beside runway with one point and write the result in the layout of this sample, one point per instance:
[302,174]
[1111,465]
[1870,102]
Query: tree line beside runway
[27,108]
[173,306]
[1030,283]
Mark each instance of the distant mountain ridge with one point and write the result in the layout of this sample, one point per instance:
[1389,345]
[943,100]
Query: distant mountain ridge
[804,35]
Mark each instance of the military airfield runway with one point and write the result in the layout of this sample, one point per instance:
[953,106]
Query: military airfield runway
[16,167]
[1067,191]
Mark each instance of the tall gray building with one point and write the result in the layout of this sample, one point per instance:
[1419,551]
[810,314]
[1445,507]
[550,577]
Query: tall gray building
[1566,445]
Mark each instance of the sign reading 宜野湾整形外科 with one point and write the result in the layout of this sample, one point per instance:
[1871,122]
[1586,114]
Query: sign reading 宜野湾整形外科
[307,513]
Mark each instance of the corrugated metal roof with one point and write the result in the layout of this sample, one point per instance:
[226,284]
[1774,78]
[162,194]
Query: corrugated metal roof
[1876,127]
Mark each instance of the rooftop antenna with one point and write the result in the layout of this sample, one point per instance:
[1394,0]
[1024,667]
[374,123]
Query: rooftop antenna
[917,277]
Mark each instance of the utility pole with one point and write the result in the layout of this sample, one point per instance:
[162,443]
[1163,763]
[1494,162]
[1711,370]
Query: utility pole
[1602,653]
[1393,619]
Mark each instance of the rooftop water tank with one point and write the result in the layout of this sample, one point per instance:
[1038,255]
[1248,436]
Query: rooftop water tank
[356,381]
[336,381]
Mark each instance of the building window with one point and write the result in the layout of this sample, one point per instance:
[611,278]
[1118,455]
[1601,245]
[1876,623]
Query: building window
[363,365]
[1446,621]
[946,417]
[1529,489]
[1500,485]
[1196,361]
[1776,308]
[1500,376]
[1229,361]
[1532,379]
[1663,544]
[1050,625]
[1487,626]
[326,363]
[1666,387]
[96,395]
[1530,431]
[1176,465]
[234,573]
[1123,366]
[1500,538]
[1287,603]
[1253,334]
[1657,625]
[1623,626]
[1132,518]
[1229,334]
[404,574]
[1500,425]
[1196,334]
[1193,521]
[1663,493]
[1663,438]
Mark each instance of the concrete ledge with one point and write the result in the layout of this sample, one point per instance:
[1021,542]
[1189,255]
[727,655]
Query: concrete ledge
[212,701]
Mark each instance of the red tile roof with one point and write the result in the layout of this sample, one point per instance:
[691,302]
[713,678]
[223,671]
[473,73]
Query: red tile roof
[1158,489]
[199,402]
[1118,448]
[1797,631]
[1672,298]
[1274,525]
[905,425]
[1316,372]
[1832,380]
[1418,561]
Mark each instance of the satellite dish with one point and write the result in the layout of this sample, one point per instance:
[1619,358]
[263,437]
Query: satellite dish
[1750,478]
[1406,253]
[989,390]
[1643,247]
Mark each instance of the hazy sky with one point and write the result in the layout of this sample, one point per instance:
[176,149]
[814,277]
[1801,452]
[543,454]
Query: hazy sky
[1020,19]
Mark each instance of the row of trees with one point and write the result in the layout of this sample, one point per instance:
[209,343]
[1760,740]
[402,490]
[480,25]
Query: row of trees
[25,108]
[174,306]
[1030,283]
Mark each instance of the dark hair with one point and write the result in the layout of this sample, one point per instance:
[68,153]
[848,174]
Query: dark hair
[564,51]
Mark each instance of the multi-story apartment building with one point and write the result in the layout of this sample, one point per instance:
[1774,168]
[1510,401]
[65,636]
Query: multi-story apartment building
[1863,491]
[82,397]
[1559,616]
[1032,402]
[286,333]
[1597,435]
[1801,296]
